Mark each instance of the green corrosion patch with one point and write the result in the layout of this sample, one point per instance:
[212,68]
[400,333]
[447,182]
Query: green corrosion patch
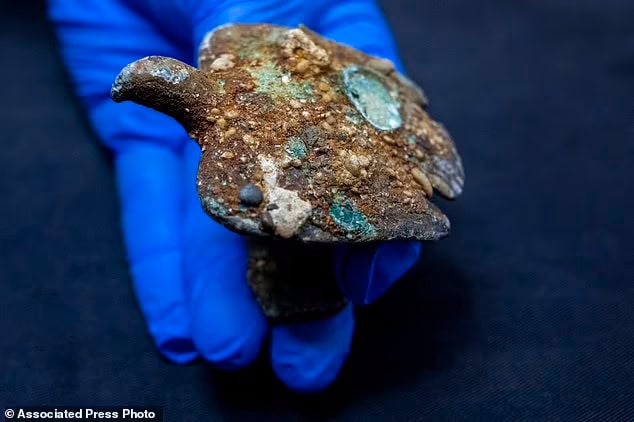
[295,148]
[271,80]
[349,218]
[213,206]
[366,91]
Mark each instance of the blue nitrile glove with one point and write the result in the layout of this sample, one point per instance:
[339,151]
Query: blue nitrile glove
[188,271]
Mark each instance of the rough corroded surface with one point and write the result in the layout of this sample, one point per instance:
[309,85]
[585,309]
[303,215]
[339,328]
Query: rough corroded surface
[294,293]
[306,140]
[338,143]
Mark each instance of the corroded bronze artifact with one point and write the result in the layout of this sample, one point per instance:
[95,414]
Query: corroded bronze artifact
[305,143]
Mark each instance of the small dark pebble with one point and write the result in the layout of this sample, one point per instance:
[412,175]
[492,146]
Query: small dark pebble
[251,195]
[271,207]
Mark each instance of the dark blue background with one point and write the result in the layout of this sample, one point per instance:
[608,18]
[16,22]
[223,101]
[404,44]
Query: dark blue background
[526,312]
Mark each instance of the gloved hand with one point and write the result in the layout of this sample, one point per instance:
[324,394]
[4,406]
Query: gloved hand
[188,271]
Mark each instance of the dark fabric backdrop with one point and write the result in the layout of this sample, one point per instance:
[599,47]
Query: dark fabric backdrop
[526,312]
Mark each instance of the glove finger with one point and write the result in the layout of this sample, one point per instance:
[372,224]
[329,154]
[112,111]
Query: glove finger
[365,272]
[227,324]
[149,183]
[360,24]
[307,357]
[100,37]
